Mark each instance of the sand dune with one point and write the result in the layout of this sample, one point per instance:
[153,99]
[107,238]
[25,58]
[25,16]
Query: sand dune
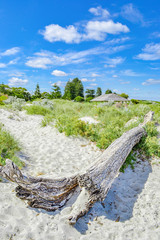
[130,211]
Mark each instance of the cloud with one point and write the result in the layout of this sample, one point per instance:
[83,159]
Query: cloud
[113,62]
[127,82]
[151,81]
[14,81]
[14,61]
[39,62]
[155,35]
[93,84]
[116,91]
[151,51]
[99,11]
[3,65]
[88,80]
[59,83]
[59,73]
[97,30]
[16,74]
[84,80]
[130,73]
[95,75]
[115,76]
[46,59]
[55,33]
[117,41]
[11,51]
[132,14]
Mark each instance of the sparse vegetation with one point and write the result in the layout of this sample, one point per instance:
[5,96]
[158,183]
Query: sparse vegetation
[8,148]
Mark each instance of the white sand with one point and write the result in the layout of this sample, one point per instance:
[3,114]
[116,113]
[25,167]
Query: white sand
[89,120]
[134,198]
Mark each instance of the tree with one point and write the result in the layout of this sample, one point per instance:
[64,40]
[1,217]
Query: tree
[56,92]
[108,91]
[98,92]
[124,95]
[4,88]
[78,86]
[90,93]
[69,91]
[73,89]
[19,92]
[46,95]
[37,93]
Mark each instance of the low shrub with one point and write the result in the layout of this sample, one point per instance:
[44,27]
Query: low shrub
[1,102]
[16,103]
[79,99]
[89,99]
[134,101]
[44,103]
[37,110]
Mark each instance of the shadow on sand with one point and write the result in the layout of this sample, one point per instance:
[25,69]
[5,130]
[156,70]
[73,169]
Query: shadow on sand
[119,203]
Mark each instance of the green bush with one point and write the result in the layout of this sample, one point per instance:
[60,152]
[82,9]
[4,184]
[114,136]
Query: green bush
[88,99]
[79,99]
[1,102]
[134,101]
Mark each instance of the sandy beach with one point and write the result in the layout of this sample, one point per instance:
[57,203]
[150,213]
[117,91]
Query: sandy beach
[130,211]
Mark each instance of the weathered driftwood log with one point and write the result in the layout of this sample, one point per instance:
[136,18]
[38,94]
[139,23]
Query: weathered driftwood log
[94,183]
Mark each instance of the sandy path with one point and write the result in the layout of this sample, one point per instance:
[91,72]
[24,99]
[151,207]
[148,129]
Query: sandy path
[133,200]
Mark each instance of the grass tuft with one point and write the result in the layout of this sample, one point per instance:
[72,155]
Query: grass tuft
[8,148]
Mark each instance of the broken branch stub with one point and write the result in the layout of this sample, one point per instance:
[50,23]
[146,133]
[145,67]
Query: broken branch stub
[51,194]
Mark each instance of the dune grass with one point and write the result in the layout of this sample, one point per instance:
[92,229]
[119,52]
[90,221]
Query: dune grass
[8,148]
[66,116]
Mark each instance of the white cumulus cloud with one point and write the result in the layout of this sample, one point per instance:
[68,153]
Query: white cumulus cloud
[55,33]
[14,81]
[59,73]
[39,62]
[151,51]
[97,30]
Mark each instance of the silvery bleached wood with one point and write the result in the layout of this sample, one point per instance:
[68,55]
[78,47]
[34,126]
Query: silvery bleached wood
[51,194]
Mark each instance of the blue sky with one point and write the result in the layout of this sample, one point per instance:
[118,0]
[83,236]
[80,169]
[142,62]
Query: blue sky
[107,44]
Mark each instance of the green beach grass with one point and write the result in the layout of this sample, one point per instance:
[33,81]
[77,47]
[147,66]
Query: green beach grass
[112,119]
[8,148]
